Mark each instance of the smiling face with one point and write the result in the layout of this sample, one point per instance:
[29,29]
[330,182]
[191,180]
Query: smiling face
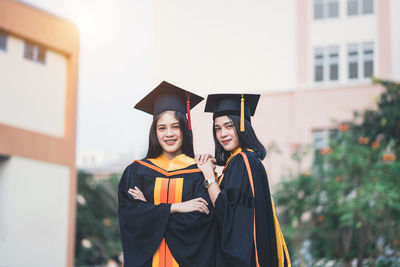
[169,134]
[225,133]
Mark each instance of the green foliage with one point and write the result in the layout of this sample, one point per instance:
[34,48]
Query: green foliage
[348,207]
[97,230]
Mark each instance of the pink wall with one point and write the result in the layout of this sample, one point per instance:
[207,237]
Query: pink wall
[289,118]
[302,41]
[384,46]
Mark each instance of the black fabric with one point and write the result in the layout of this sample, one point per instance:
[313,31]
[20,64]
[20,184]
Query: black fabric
[234,209]
[190,236]
[230,104]
[167,96]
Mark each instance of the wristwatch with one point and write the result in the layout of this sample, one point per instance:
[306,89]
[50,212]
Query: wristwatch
[208,182]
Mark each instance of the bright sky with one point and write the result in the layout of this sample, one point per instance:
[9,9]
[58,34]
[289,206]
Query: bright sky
[235,49]
[114,70]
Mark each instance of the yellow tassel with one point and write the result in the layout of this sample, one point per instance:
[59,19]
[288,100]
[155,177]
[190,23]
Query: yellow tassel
[280,242]
[242,114]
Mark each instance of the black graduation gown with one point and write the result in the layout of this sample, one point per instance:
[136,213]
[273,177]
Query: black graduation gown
[150,234]
[234,210]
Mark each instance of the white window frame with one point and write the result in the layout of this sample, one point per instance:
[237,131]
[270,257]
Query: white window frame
[34,54]
[333,55]
[368,46]
[329,4]
[319,61]
[326,5]
[360,59]
[360,7]
[325,57]
[354,57]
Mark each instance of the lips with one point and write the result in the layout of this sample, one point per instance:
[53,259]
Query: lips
[170,142]
[225,142]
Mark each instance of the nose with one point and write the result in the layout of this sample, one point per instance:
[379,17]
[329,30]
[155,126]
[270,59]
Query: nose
[223,132]
[169,132]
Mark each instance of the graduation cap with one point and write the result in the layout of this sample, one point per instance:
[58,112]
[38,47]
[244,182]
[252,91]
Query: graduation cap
[167,96]
[243,105]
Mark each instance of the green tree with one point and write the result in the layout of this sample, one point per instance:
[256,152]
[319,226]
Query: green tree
[97,230]
[353,201]
[357,212]
[296,200]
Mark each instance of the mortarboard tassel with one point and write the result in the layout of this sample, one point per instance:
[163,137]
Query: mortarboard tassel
[242,114]
[188,110]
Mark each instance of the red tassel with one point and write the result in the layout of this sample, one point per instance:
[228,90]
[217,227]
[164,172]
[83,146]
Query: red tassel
[188,111]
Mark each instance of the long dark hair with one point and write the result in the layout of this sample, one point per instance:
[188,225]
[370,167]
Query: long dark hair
[155,148]
[247,140]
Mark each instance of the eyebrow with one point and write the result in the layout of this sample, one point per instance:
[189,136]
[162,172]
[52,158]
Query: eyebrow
[225,123]
[163,124]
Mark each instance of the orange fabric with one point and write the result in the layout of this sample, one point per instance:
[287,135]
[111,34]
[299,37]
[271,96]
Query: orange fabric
[179,189]
[163,172]
[156,257]
[166,190]
[169,259]
[246,162]
[178,163]
[172,189]
[162,251]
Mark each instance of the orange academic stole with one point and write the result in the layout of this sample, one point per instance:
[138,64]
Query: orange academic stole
[166,190]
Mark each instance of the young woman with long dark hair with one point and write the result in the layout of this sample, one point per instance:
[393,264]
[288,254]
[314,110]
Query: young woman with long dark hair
[248,230]
[163,207]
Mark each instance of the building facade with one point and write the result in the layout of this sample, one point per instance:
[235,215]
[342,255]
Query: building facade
[38,104]
[312,60]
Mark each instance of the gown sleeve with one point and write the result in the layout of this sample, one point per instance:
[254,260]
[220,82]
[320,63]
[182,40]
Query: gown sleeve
[142,225]
[192,236]
[234,209]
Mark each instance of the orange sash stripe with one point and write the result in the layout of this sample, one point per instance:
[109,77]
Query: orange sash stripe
[280,241]
[246,161]
[172,188]
[166,190]
[165,173]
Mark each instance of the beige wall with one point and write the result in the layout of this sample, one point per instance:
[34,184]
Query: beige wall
[340,32]
[34,213]
[46,148]
[33,95]
[230,45]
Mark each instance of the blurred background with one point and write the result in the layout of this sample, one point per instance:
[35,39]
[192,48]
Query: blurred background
[328,72]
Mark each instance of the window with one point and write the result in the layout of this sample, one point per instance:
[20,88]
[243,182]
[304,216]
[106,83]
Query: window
[352,51]
[352,7]
[318,64]
[326,9]
[320,138]
[326,63]
[368,58]
[318,9]
[3,40]
[358,7]
[3,167]
[35,52]
[360,60]
[333,8]
[333,63]
[368,6]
